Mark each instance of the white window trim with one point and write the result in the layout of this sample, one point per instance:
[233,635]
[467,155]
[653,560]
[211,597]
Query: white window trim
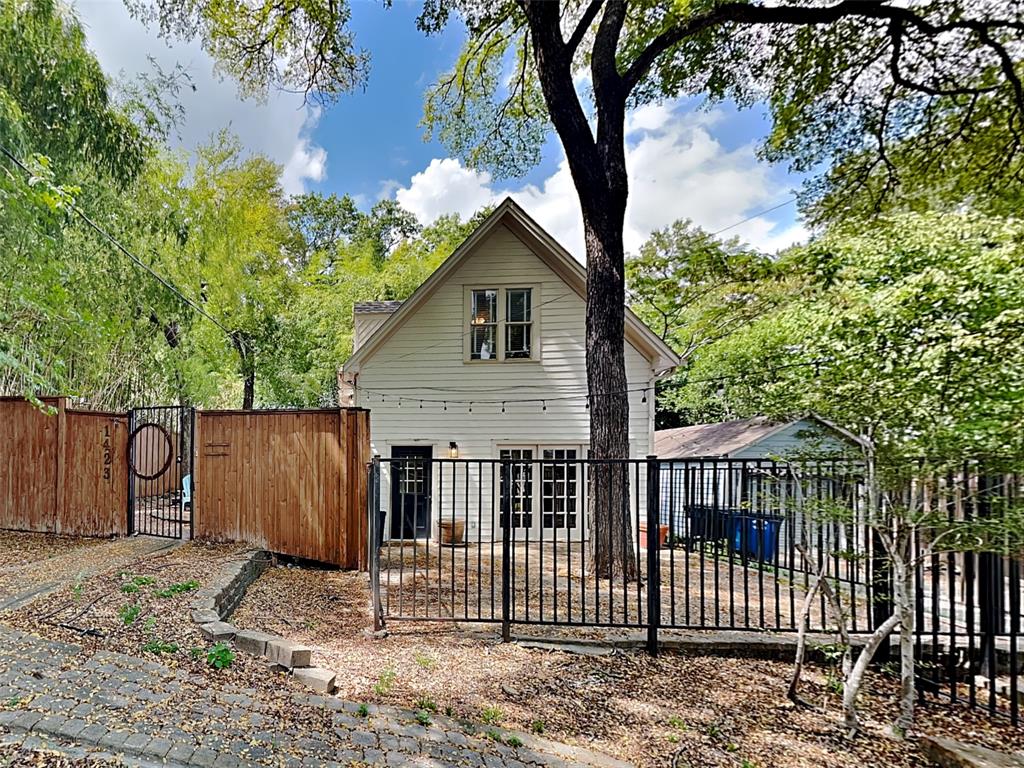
[579,531]
[536,347]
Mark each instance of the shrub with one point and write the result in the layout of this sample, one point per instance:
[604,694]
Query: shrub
[220,656]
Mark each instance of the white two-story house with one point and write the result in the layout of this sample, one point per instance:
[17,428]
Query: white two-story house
[486,361]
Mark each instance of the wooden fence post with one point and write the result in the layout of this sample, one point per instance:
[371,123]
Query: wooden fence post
[59,502]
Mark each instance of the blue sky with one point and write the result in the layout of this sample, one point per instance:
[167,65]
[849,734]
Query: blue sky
[683,162]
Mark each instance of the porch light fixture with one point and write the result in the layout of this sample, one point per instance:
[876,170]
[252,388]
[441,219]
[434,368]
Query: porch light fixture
[453,450]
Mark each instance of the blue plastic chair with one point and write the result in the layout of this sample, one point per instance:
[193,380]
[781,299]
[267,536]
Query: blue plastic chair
[186,492]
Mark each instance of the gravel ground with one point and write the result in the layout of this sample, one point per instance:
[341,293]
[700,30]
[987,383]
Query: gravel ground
[693,710]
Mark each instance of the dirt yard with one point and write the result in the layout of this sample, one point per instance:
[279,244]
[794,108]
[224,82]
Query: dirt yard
[551,582]
[672,710]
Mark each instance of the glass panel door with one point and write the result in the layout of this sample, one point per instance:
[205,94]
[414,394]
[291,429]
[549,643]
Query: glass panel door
[517,496]
[559,499]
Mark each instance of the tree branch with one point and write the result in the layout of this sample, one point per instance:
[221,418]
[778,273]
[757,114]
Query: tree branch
[583,25]
[747,14]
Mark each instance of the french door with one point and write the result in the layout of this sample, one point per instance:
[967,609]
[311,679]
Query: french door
[540,490]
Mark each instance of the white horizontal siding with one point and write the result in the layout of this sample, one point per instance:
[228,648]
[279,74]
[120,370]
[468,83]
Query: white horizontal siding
[423,360]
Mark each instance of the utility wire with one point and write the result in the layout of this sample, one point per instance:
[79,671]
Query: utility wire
[117,244]
[753,216]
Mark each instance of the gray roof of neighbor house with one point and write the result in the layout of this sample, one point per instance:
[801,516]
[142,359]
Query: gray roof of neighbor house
[376,306]
[727,437]
[719,439]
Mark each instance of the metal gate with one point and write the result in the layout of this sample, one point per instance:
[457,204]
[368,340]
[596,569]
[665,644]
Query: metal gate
[161,453]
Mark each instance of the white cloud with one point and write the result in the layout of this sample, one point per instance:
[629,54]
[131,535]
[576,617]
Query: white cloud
[278,127]
[307,162]
[445,186]
[677,169]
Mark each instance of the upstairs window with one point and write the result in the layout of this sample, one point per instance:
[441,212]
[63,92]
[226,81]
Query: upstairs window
[518,325]
[484,325]
[501,324]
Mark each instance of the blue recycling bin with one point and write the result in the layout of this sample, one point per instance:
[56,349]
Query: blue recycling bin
[754,536]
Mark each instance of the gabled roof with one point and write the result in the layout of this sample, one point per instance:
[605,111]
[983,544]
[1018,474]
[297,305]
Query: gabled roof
[725,438]
[548,250]
[376,307]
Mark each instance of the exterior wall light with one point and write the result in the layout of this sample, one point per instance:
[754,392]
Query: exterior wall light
[453,450]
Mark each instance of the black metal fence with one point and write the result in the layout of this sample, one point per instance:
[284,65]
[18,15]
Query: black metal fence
[715,544]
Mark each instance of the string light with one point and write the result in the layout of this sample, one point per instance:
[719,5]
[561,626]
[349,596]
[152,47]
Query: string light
[588,397]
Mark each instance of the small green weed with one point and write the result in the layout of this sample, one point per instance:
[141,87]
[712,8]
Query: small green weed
[491,716]
[195,652]
[76,591]
[423,660]
[537,726]
[129,613]
[160,647]
[493,735]
[672,738]
[220,656]
[363,711]
[150,624]
[423,718]
[384,682]
[177,589]
[426,704]
[677,722]
[514,741]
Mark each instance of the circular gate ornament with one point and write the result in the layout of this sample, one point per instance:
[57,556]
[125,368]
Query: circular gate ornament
[169,451]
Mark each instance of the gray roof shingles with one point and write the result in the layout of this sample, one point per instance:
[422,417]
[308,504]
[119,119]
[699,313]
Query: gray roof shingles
[377,306]
[721,439]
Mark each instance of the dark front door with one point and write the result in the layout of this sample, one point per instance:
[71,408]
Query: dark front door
[410,492]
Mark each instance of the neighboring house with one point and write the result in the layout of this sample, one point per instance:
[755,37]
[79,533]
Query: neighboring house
[487,360]
[712,471]
[754,438]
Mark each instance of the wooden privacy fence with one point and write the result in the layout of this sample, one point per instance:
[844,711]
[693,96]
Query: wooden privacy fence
[62,470]
[292,482]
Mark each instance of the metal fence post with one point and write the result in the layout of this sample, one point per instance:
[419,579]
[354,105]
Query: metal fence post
[505,518]
[653,553]
[374,505]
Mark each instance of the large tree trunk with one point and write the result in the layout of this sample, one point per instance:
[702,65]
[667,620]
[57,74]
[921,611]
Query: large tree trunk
[611,541]
[598,168]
